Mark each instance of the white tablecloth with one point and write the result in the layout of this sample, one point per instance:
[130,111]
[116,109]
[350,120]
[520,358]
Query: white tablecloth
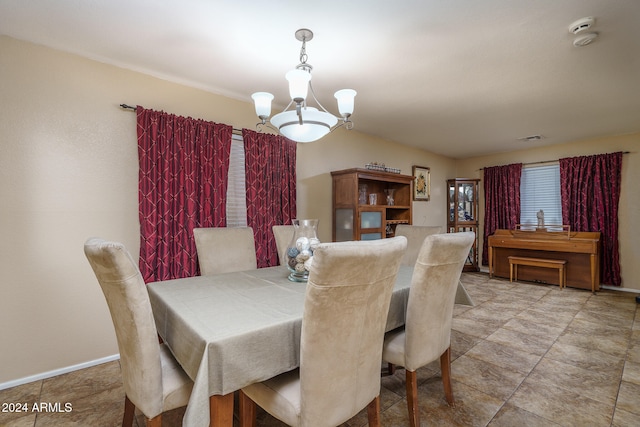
[231,330]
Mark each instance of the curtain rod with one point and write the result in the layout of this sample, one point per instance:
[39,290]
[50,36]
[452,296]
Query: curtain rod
[129,107]
[549,161]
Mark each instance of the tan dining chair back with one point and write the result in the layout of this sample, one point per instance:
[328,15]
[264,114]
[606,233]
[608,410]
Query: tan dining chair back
[153,380]
[225,249]
[283,235]
[347,298]
[426,335]
[415,235]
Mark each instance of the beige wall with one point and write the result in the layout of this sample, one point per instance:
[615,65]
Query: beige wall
[347,150]
[628,233]
[68,169]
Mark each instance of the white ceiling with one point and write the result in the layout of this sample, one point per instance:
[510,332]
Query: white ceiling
[457,77]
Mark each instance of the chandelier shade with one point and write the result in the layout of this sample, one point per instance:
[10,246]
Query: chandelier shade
[298,84]
[304,123]
[315,125]
[262,101]
[345,99]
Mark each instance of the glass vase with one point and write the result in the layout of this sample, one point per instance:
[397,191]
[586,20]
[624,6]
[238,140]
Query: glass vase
[300,249]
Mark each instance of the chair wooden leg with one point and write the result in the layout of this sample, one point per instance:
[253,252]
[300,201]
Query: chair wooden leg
[391,368]
[445,367]
[373,412]
[129,410]
[412,398]
[247,409]
[155,421]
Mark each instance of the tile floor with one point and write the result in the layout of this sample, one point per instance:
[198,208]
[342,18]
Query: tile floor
[524,355]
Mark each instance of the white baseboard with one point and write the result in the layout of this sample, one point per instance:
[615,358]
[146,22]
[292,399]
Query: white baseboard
[56,372]
[617,288]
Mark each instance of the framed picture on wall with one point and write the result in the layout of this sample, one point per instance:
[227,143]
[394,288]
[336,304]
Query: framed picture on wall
[421,183]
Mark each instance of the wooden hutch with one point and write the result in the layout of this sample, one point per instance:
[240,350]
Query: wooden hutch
[356,216]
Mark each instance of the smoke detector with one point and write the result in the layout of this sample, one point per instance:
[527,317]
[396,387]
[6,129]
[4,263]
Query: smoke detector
[582,25]
[584,39]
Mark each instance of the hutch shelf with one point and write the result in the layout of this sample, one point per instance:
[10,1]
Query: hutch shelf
[368,204]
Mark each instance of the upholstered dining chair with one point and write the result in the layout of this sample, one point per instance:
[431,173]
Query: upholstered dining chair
[415,235]
[153,381]
[426,335]
[346,301]
[283,235]
[225,249]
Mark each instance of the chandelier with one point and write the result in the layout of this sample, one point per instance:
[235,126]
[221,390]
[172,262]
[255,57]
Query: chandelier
[304,123]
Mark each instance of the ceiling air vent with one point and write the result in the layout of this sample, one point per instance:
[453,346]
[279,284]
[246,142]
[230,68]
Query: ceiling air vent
[531,138]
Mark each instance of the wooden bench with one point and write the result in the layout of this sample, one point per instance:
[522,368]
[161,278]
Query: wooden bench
[558,264]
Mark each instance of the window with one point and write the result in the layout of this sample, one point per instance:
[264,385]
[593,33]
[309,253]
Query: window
[540,190]
[236,186]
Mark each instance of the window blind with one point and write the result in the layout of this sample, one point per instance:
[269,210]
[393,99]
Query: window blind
[236,186]
[540,189]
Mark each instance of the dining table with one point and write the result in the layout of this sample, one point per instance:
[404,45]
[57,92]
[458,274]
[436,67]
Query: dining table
[234,329]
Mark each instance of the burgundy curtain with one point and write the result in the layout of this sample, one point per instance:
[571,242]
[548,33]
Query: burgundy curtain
[184,164]
[502,201]
[590,191]
[270,169]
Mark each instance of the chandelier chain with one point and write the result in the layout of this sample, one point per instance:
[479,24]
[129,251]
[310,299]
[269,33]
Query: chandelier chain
[303,52]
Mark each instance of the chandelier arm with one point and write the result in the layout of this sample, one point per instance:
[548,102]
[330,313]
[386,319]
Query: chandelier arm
[288,105]
[339,125]
[313,94]
[348,125]
[261,125]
